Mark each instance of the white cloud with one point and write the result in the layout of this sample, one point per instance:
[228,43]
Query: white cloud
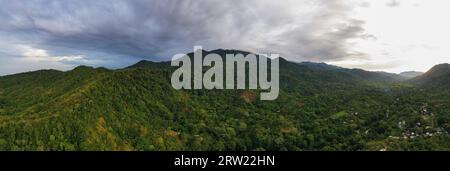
[42,55]
[23,58]
[412,36]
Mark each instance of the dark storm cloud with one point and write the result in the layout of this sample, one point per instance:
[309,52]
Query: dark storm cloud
[108,31]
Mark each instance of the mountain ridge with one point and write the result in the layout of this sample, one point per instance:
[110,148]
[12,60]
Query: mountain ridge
[320,107]
[437,77]
[222,52]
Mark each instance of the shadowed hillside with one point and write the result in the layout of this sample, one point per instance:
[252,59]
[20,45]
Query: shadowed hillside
[436,77]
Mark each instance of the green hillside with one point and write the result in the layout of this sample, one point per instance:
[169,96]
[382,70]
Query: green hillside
[437,77]
[320,107]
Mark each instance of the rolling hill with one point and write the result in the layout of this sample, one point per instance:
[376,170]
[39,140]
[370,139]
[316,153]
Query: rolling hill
[436,77]
[320,107]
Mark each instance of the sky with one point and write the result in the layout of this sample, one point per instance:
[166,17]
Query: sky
[382,35]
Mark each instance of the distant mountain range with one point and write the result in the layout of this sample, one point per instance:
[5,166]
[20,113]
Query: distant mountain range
[411,74]
[320,107]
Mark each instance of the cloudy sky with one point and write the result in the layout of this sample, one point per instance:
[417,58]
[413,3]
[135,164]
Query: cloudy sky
[382,35]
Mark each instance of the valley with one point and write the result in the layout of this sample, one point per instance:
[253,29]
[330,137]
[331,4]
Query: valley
[320,107]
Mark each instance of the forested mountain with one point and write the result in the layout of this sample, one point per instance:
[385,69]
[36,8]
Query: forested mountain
[320,107]
[436,77]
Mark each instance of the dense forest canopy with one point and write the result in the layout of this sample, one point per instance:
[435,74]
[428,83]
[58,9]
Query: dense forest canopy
[320,107]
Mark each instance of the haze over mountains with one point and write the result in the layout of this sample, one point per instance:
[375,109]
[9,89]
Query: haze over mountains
[320,107]
[411,74]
